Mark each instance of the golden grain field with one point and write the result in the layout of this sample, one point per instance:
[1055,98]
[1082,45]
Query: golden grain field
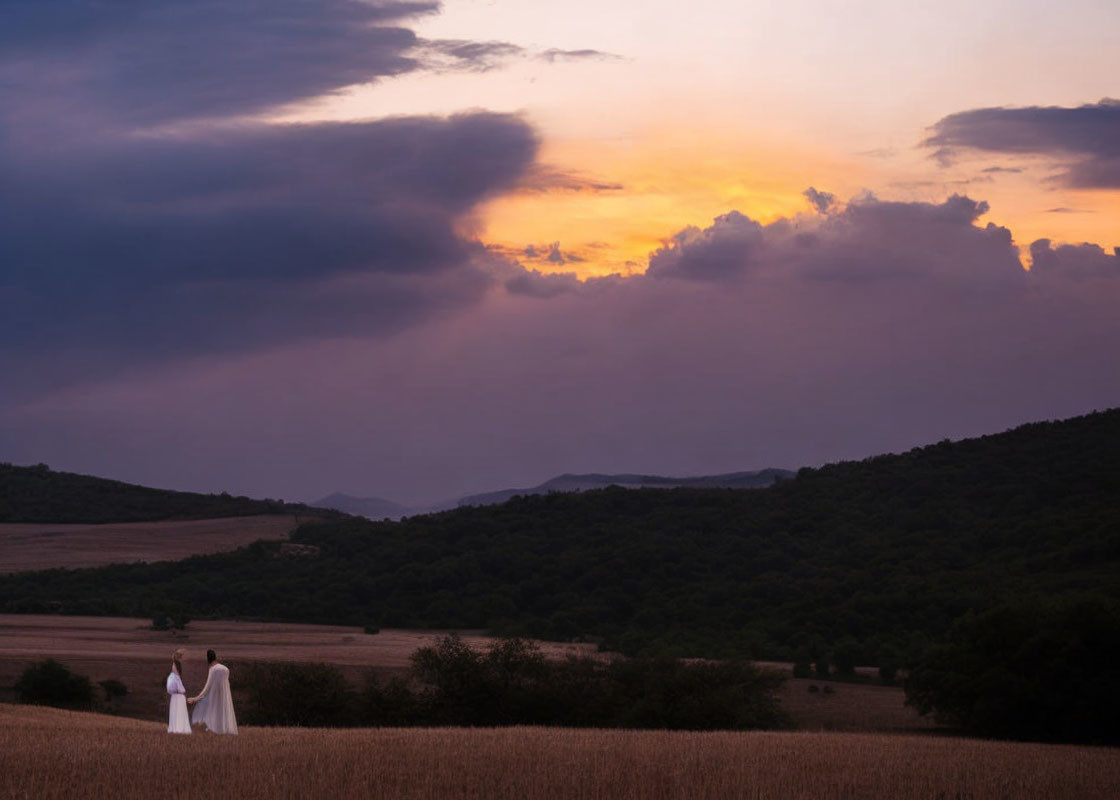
[46,753]
[29,546]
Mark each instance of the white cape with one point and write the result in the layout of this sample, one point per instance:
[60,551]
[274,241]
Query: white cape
[177,719]
[215,708]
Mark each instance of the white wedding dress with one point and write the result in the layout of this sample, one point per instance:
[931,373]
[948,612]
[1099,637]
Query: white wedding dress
[178,721]
[215,705]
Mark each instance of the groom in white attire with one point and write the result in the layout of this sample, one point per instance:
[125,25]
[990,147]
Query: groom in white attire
[213,706]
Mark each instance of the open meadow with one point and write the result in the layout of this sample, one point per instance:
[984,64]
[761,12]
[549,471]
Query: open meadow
[49,753]
[129,650]
[33,545]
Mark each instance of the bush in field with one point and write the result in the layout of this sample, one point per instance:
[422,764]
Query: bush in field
[665,693]
[296,694]
[1027,672]
[512,683]
[113,689]
[392,703]
[49,683]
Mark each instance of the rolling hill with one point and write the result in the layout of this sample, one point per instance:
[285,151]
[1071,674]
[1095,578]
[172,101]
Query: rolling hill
[40,494]
[877,556]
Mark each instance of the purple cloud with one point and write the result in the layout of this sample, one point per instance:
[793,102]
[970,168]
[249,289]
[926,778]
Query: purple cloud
[721,251]
[1077,261]
[821,201]
[152,62]
[879,327]
[246,238]
[869,240]
[1087,138]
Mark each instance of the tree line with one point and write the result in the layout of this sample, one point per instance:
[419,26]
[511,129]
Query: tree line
[512,683]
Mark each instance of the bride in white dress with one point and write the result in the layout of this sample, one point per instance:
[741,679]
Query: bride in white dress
[177,719]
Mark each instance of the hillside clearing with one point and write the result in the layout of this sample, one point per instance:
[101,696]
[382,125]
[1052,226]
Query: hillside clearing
[34,546]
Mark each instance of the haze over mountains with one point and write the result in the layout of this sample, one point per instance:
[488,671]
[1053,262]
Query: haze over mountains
[380,508]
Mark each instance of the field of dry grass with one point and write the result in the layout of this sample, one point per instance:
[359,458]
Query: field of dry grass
[51,754]
[130,651]
[29,546]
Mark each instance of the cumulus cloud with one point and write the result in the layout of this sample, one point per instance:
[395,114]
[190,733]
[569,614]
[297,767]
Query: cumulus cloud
[1077,261]
[1086,139]
[870,239]
[723,250]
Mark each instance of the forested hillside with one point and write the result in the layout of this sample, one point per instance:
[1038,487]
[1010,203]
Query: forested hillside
[876,557]
[39,494]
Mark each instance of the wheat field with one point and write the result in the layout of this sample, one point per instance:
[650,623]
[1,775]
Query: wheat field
[47,753]
[34,545]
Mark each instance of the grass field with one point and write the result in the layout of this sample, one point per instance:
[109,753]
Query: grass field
[130,651]
[48,753]
[30,546]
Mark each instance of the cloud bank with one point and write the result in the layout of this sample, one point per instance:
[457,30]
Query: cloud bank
[877,327]
[1085,138]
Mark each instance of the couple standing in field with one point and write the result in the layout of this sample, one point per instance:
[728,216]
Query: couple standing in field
[213,706]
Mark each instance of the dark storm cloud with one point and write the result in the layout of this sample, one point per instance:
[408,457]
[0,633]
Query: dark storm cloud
[1086,138]
[210,241]
[124,239]
[138,63]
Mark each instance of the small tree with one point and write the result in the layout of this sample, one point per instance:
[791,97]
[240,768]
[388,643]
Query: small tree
[49,683]
[844,657]
[113,689]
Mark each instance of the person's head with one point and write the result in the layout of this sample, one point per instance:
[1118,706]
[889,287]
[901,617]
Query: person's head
[177,659]
[211,656]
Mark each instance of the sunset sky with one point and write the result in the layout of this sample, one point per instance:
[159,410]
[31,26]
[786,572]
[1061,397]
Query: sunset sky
[417,250]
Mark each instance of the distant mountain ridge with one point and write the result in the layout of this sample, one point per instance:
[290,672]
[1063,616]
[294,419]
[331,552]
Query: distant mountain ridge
[370,507]
[594,480]
[379,508]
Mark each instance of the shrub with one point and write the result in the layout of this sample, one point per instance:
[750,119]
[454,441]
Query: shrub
[49,683]
[113,689]
[296,694]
